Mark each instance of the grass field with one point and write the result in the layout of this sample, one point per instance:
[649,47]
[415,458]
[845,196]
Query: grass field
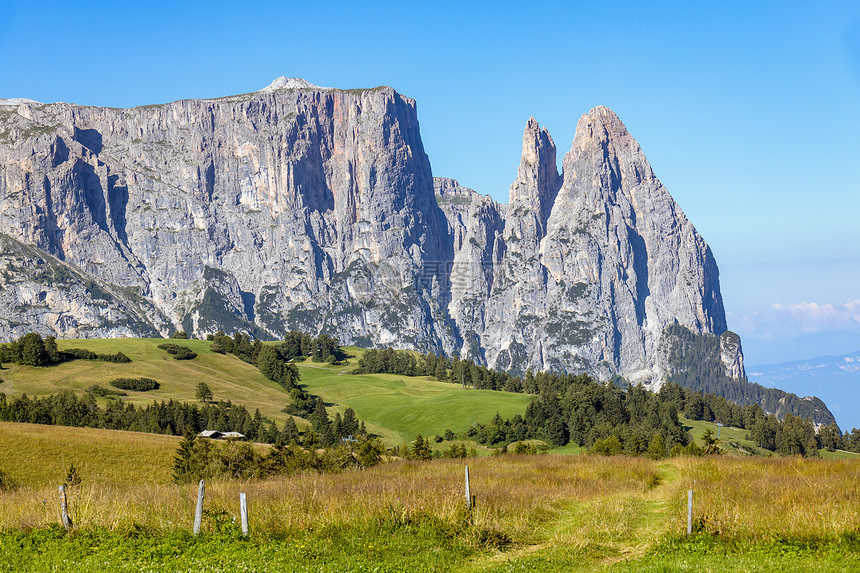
[36,456]
[397,408]
[228,377]
[534,513]
[400,407]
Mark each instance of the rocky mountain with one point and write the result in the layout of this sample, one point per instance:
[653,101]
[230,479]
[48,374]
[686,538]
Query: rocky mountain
[300,207]
[583,270]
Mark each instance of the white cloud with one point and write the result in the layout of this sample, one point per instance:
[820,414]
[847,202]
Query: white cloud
[815,317]
[794,318]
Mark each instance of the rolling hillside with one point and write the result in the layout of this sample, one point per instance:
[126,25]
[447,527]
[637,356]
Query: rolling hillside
[394,407]
[35,455]
[397,408]
[228,377]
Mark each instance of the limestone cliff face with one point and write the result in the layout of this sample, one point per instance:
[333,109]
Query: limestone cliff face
[300,207]
[475,227]
[594,264]
[616,231]
[293,207]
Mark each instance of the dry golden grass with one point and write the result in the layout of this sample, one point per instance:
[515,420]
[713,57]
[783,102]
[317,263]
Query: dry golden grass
[517,495]
[605,506]
[36,455]
[762,498]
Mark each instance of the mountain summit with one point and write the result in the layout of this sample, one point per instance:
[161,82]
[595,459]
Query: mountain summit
[300,207]
[285,83]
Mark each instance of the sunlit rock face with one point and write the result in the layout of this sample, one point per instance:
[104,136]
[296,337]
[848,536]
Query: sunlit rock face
[593,263]
[309,208]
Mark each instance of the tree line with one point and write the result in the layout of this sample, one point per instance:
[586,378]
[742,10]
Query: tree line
[167,417]
[577,409]
[199,458]
[295,346]
[32,350]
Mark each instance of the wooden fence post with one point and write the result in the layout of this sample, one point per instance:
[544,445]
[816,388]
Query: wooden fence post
[198,515]
[64,509]
[470,499]
[689,512]
[468,491]
[243,511]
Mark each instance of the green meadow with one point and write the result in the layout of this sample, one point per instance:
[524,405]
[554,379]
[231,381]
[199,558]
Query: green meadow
[534,513]
[397,408]
[228,377]
[400,407]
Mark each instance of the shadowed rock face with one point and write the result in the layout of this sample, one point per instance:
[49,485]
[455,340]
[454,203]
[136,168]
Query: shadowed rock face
[299,207]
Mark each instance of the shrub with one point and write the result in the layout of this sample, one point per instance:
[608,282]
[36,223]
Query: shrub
[609,446]
[103,392]
[136,384]
[80,354]
[119,358]
[83,354]
[178,351]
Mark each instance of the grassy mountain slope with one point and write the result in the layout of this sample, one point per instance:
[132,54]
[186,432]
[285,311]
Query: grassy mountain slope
[228,377]
[535,513]
[400,407]
[35,455]
[394,407]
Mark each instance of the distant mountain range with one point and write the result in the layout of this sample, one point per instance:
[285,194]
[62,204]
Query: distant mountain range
[834,379]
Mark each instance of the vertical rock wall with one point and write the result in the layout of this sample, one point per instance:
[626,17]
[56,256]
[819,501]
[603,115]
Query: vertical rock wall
[299,207]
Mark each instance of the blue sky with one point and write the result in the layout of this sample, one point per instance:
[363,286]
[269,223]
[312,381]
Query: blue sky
[748,111]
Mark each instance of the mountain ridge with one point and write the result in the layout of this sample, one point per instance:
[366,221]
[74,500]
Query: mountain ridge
[316,209]
[833,378]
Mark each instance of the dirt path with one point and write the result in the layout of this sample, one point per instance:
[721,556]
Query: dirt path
[601,531]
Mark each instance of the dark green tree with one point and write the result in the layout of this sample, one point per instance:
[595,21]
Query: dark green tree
[420,449]
[656,447]
[203,393]
[711,443]
[33,350]
[370,451]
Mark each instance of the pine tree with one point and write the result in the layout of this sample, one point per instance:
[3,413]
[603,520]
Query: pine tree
[321,422]
[290,433]
[370,452]
[711,443]
[33,350]
[420,449]
[51,350]
[183,465]
[656,447]
[203,393]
